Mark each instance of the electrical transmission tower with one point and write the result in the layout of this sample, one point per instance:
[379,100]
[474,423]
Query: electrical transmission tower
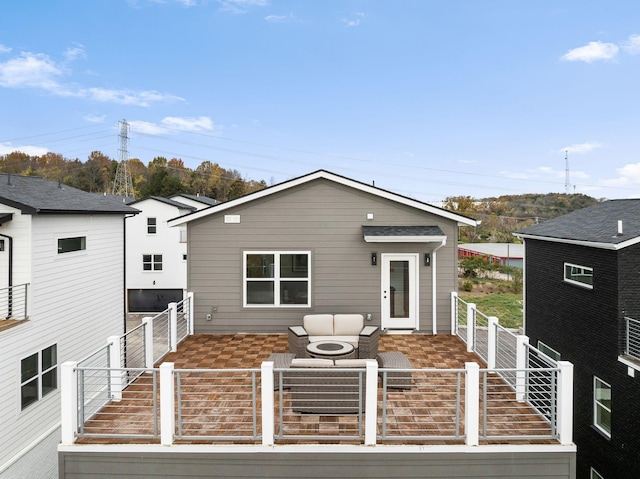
[123,183]
[567,180]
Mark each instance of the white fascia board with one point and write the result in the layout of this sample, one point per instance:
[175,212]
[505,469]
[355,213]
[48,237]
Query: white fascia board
[461,220]
[590,244]
[406,239]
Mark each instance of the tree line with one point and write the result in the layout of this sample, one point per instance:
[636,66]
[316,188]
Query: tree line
[161,177]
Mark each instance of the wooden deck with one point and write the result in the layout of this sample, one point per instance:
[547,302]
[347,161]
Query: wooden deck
[404,408]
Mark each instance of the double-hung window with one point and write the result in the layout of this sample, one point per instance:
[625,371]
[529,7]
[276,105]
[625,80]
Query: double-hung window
[277,278]
[602,406]
[38,375]
[580,275]
[151,226]
[151,262]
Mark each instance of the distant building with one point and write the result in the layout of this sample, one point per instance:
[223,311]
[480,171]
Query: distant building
[507,254]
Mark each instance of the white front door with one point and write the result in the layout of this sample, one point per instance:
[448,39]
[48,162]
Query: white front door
[399,291]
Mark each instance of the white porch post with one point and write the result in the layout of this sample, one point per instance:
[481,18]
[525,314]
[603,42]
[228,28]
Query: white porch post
[492,344]
[69,401]
[191,312]
[115,368]
[173,327]
[471,326]
[521,364]
[454,313]
[472,403]
[149,358]
[268,418]
[565,402]
[167,404]
[371,403]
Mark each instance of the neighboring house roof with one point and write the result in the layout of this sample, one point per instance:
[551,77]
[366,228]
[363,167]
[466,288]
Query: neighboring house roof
[404,234]
[501,250]
[322,174]
[597,226]
[202,199]
[34,195]
[167,201]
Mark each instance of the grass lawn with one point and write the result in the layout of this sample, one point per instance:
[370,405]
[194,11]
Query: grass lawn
[507,307]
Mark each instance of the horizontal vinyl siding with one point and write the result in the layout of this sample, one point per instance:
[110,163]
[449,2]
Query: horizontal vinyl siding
[77,302]
[370,465]
[326,219]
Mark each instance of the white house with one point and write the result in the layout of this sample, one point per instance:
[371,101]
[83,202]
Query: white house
[157,254]
[61,279]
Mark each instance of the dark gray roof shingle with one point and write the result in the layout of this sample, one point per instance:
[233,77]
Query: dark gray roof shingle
[34,195]
[402,231]
[595,224]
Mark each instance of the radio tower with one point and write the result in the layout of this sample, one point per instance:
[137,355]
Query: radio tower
[567,180]
[123,184]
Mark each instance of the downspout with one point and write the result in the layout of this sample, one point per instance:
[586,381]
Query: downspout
[10,309]
[434,326]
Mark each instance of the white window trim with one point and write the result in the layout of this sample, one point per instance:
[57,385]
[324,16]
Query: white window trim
[597,404]
[276,279]
[152,270]
[593,474]
[39,375]
[572,281]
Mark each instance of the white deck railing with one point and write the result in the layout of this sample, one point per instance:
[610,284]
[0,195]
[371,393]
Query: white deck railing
[632,338]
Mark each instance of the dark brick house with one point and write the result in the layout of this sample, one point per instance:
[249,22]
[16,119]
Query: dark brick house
[582,297]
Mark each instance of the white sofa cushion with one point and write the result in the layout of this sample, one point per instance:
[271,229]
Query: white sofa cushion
[347,324]
[351,363]
[311,363]
[347,339]
[318,324]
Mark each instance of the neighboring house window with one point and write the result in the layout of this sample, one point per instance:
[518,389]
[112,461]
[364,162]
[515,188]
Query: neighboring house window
[602,406]
[277,278]
[547,351]
[151,262]
[67,245]
[595,474]
[151,226]
[38,375]
[580,275]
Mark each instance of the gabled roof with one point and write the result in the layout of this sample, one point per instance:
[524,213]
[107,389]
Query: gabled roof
[596,226]
[205,200]
[167,201]
[322,174]
[34,195]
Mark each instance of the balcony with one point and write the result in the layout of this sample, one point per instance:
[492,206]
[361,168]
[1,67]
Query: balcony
[13,306]
[480,385]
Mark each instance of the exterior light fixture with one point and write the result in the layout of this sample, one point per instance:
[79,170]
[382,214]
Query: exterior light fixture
[374,258]
[427,259]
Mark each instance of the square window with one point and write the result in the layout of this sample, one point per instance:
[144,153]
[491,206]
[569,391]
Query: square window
[151,262]
[277,278]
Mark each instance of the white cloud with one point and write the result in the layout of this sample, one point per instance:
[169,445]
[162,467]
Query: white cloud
[353,22]
[629,175]
[581,147]
[4,49]
[171,123]
[241,6]
[6,148]
[94,118]
[40,71]
[632,45]
[279,18]
[592,51]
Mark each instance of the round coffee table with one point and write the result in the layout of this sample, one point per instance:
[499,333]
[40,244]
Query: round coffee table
[331,350]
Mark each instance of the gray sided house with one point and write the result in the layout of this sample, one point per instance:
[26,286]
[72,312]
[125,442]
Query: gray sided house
[582,304]
[322,243]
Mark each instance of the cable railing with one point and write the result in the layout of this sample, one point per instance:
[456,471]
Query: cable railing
[14,302]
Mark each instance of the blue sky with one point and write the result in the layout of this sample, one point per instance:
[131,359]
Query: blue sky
[426,98]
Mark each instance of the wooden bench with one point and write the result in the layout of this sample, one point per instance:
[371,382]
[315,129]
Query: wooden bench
[395,360]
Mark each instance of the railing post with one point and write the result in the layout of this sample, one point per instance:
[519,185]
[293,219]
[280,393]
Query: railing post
[454,313]
[167,404]
[173,327]
[268,417]
[492,344]
[149,358]
[69,401]
[522,343]
[115,368]
[565,402]
[471,403]
[371,403]
[191,312]
[471,326]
